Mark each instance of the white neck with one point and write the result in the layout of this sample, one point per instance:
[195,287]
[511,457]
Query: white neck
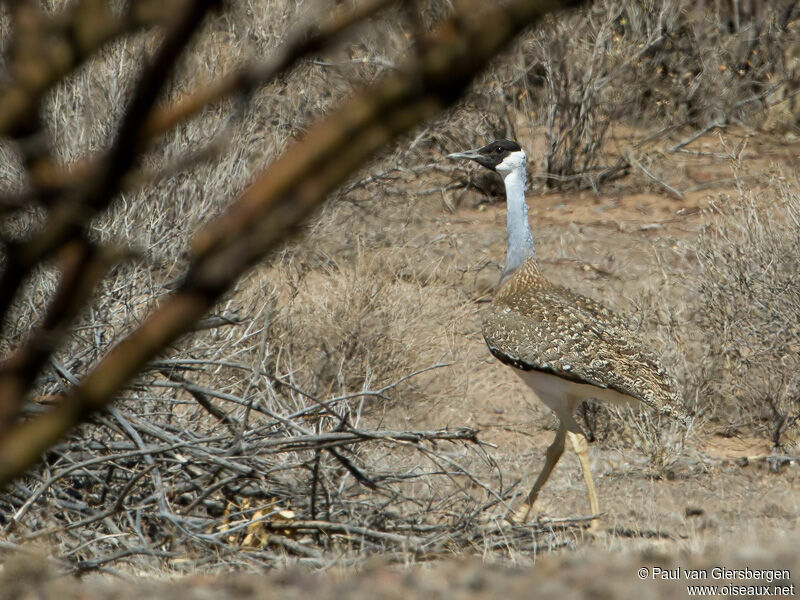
[520,241]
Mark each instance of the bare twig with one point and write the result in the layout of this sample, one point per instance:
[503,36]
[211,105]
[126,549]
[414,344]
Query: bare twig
[672,191]
[697,135]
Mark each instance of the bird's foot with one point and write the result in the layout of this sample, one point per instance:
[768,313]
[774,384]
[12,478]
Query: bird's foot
[524,515]
[596,530]
[596,525]
[528,515]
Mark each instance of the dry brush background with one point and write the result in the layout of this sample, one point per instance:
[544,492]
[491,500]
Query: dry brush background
[337,401]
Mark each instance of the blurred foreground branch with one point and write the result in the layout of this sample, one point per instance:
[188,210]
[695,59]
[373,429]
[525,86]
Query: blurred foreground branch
[65,225]
[269,210]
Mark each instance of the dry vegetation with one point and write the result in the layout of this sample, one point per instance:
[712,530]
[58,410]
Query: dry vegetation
[748,307]
[339,403]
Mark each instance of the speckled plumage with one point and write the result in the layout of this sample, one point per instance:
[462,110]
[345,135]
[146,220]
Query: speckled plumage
[535,325]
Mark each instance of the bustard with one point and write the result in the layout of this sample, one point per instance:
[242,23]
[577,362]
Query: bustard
[567,348]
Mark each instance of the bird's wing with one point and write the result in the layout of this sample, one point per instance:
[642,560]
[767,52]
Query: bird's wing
[579,339]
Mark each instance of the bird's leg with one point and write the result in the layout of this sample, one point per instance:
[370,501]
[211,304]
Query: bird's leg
[581,446]
[554,452]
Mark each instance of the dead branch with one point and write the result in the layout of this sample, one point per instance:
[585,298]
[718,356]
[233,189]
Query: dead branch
[111,510]
[244,82]
[697,135]
[281,472]
[412,543]
[113,175]
[671,190]
[202,399]
[83,266]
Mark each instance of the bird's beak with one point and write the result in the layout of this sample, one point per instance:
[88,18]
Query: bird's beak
[469,154]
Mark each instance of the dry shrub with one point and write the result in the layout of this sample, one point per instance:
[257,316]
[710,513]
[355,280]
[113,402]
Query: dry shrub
[324,316]
[650,63]
[158,220]
[695,63]
[361,324]
[726,322]
[569,78]
[749,309]
[328,315]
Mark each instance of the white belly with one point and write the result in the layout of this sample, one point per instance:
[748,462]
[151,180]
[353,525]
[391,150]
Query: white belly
[564,396]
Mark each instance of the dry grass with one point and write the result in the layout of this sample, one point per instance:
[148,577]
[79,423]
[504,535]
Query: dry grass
[347,328]
[748,309]
[723,317]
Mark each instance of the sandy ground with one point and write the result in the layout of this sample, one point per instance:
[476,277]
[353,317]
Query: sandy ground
[746,572]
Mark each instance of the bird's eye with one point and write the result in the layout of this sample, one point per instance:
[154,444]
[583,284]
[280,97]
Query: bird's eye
[499,150]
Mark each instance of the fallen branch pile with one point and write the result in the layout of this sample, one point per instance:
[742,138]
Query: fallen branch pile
[263,489]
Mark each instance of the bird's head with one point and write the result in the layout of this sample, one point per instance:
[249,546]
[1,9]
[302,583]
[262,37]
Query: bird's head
[502,156]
